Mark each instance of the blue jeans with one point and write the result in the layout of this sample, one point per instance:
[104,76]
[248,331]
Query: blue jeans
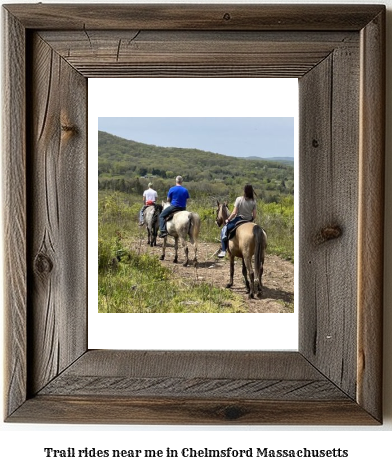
[226,229]
[166,212]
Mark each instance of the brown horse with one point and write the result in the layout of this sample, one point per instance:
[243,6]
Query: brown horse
[250,239]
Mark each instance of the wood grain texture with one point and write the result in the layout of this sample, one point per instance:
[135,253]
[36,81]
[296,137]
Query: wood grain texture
[329,137]
[208,364]
[335,378]
[206,374]
[14,208]
[195,17]
[193,387]
[103,409]
[57,215]
[196,53]
[371,216]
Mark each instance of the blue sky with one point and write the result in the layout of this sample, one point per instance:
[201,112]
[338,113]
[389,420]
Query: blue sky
[265,137]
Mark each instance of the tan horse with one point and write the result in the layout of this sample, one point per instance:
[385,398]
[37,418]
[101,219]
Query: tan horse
[250,239]
[183,224]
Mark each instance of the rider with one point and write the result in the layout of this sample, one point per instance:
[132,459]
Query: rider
[149,198]
[177,196]
[244,210]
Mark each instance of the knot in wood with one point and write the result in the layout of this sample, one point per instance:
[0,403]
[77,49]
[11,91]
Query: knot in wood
[232,413]
[315,143]
[68,128]
[43,264]
[328,233]
[227,16]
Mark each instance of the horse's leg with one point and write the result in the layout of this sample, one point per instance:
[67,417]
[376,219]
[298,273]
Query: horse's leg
[193,234]
[175,250]
[185,247]
[248,264]
[259,275]
[245,274]
[195,253]
[162,257]
[230,284]
[193,241]
[154,236]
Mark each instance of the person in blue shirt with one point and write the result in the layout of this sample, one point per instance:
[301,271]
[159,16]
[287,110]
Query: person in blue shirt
[177,196]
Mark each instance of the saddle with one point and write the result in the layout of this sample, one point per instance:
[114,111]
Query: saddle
[231,234]
[170,216]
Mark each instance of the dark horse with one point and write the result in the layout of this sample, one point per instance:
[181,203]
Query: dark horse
[151,215]
[250,239]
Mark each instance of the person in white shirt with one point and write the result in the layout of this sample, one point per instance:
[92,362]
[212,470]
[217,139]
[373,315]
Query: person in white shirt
[149,198]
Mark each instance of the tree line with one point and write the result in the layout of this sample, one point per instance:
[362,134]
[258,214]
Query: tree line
[128,166]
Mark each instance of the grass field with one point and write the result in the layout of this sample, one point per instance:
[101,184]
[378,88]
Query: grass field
[132,281]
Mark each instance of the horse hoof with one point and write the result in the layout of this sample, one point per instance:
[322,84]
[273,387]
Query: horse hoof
[185,264]
[175,260]
[162,257]
[229,285]
[259,295]
[251,296]
[195,263]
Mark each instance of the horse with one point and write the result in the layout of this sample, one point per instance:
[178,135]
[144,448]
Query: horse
[250,239]
[151,215]
[181,225]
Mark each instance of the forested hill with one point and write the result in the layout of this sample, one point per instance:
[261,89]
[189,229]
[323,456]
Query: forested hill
[126,165]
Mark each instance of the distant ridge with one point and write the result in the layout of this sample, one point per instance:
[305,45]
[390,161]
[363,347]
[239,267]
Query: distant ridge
[286,159]
[132,143]
[128,165]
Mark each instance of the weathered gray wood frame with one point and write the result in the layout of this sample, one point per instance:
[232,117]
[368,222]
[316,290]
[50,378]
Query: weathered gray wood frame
[337,52]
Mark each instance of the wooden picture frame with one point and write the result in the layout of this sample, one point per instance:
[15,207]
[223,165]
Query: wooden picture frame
[338,54]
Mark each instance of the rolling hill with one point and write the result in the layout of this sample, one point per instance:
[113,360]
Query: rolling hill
[128,165]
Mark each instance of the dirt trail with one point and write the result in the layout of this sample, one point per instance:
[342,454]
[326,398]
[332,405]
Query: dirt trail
[278,278]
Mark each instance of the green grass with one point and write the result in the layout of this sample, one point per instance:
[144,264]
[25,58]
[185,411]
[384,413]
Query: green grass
[118,212]
[131,281]
[278,221]
[140,284]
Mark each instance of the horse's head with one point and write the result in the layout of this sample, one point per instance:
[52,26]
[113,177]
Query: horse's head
[222,213]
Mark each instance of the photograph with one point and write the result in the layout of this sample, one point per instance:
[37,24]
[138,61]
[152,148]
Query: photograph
[196,214]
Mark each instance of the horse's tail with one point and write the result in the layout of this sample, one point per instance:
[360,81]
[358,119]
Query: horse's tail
[194,226]
[157,210]
[260,246]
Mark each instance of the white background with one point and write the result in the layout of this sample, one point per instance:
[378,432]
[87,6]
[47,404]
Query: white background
[369,448]
[203,97]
